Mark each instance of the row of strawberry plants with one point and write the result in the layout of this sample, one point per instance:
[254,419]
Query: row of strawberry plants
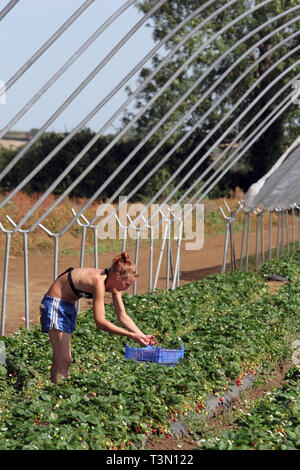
[287,267]
[271,424]
[228,324]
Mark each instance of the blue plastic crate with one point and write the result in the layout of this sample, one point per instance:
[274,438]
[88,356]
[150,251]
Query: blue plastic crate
[140,354]
[167,356]
[153,354]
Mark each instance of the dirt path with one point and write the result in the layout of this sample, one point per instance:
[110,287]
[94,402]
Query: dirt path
[195,265]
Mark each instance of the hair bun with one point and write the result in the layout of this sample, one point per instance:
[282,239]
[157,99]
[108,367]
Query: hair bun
[124,266]
[123,258]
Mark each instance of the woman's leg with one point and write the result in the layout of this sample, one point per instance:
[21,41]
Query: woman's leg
[61,345]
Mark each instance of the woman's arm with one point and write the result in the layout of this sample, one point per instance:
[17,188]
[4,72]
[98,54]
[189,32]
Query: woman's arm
[123,317]
[103,324]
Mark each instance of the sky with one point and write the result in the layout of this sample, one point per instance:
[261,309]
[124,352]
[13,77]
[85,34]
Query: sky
[32,22]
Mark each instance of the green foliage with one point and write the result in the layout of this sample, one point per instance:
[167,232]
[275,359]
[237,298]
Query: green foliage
[229,324]
[109,162]
[287,267]
[272,424]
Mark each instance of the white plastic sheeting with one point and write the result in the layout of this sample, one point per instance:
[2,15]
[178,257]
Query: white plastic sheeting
[280,187]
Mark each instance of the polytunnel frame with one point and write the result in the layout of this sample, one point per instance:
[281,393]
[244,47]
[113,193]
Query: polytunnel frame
[130,156]
[229,228]
[17,227]
[218,141]
[73,95]
[106,150]
[96,194]
[231,218]
[203,141]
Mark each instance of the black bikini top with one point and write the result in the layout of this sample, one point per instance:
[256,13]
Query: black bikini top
[78,292]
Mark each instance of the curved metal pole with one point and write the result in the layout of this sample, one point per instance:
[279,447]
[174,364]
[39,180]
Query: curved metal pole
[87,224]
[46,86]
[193,128]
[225,247]
[278,232]
[254,133]
[287,231]
[174,107]
[232,143]
[270,234]
[46,45]
[160,257]
[108,123]
[262,239]
[195,151]
[229,236]
[153,51]
[5,274]
[263,126]
[125,232]
[7,8]
[176,276]
[282,233]
[247,244]
[243,242]
[298,227]
[137,247]
[26,283]
[56,238]
[293,228]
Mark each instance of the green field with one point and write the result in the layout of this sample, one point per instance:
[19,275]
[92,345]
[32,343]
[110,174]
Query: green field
[230,326]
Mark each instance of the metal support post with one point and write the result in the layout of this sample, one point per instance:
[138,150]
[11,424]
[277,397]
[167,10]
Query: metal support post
[247,244]
[287,231]
[282,232]
[229,234]
[270,234]
[26,283]
[56,238]
[293,228]
[5,274]
[176,276]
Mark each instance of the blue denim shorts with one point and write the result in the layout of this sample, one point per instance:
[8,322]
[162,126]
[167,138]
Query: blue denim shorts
[57,314]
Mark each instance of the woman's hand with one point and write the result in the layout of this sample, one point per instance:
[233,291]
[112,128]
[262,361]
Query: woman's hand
[142,339]
[152,341]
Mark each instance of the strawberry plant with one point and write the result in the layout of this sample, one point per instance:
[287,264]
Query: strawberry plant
[230,325]
[288,267]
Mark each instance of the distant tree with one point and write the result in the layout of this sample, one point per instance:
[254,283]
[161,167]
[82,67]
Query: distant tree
[273,142]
